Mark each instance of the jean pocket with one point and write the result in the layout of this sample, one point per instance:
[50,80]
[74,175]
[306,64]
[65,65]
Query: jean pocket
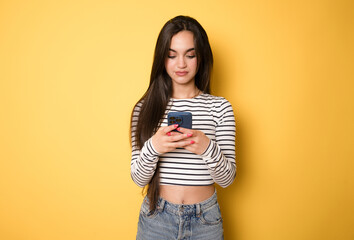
[211,216]
[145,210]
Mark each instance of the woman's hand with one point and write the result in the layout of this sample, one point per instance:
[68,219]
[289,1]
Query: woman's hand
[199,141]
[164,140]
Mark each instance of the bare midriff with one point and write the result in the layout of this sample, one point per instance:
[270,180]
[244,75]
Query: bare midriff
[186,194]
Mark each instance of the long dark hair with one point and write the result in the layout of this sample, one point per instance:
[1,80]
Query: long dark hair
[155,99]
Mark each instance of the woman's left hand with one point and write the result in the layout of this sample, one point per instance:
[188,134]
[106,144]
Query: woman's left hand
[200,140]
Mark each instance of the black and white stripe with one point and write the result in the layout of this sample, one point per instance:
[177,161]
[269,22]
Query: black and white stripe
[213,116]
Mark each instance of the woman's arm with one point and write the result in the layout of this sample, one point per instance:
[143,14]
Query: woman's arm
[143,163]
[144,160]
[219,155]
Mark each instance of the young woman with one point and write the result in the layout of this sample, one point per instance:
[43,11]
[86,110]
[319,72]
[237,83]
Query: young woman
[180,167]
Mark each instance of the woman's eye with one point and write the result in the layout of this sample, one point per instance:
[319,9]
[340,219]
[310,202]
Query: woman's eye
[191,56]
[171,56]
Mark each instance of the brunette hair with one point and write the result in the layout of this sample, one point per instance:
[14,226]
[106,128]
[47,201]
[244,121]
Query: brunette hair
[155,99]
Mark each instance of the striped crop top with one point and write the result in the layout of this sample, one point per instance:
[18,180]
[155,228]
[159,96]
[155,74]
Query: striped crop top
[213,116]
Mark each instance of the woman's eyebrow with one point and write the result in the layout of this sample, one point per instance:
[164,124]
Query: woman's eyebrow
[188,50]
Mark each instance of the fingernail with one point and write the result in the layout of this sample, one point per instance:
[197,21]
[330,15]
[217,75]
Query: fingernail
[189,135]
[192,142]
[176,125]
[178,129]
[169,134]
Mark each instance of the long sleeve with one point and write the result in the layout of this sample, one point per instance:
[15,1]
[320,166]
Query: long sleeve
[213,116]
[144,160]
[220,154]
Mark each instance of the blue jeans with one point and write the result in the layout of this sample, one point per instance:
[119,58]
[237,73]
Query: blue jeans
[201,221]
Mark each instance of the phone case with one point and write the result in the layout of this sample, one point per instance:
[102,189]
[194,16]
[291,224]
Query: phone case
[183,119]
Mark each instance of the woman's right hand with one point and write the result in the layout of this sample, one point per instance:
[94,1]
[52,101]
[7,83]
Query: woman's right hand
[164,140]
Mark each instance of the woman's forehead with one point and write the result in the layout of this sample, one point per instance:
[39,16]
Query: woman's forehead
[182,41]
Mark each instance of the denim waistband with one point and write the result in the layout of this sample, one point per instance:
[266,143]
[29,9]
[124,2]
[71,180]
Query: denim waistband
[186,209]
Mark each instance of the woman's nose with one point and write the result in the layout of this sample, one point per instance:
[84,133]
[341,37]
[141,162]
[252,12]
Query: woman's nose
[181,62]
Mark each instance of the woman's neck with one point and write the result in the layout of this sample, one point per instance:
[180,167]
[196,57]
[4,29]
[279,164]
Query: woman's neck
[185,92]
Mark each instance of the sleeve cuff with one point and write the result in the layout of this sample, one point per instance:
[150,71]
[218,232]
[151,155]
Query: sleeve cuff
[152,148]
[209,152]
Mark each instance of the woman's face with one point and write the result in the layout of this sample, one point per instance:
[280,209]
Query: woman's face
[181,63]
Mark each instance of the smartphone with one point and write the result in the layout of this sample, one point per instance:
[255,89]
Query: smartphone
[183,119]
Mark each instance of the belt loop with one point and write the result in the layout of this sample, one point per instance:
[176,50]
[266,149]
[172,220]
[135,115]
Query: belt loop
[197,210]
[161,205]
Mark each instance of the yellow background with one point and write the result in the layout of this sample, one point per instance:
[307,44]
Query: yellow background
[71,71]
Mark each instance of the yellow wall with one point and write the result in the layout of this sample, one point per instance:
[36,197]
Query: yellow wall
[70,72]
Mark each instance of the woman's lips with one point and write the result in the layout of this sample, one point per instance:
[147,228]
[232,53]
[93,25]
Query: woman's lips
[181,73]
